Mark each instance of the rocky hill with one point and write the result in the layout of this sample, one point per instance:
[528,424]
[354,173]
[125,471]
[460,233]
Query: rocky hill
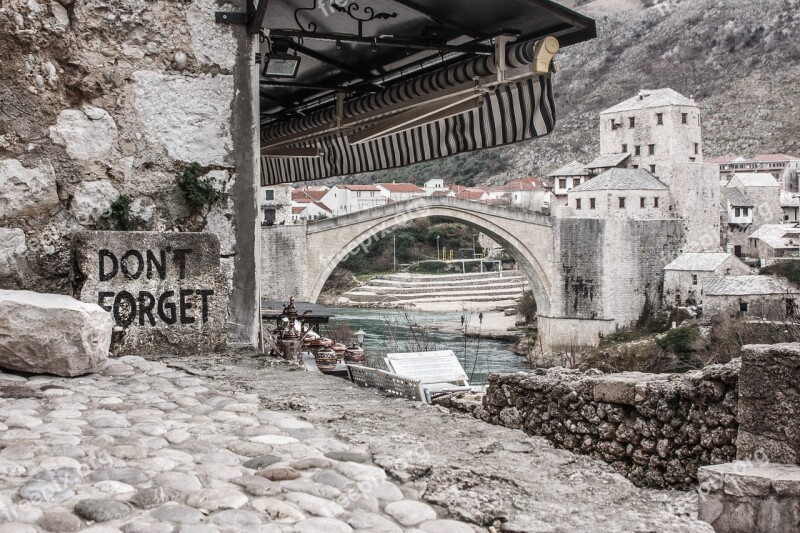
[739,59]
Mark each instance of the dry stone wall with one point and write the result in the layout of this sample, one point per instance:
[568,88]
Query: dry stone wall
[655,429]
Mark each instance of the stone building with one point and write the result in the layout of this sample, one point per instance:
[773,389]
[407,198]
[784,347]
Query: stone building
[775,242]
[561,180]
[343,199]
[683,278]
[621,193]
[276,205]
[661,131]
[657,128]
[784,168]
[755,296]
[398,192]
[751,200]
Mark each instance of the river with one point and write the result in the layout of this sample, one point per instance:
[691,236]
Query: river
[483,356]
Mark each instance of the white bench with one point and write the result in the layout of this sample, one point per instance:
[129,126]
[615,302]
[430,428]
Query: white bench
[418,376]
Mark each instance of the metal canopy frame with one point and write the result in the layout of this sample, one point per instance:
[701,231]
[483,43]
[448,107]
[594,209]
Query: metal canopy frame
[421,31]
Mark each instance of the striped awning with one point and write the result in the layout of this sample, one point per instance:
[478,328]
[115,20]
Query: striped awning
[511,112]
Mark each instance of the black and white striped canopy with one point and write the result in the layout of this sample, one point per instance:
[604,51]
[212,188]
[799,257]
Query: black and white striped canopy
[517,111]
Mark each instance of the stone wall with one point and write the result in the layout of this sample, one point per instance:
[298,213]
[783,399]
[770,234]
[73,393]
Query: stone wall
[105,98]
[285,248]
[655,429]
[769,405]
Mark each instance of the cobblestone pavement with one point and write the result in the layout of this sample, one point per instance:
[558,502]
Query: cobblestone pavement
[142,447]
[464,468]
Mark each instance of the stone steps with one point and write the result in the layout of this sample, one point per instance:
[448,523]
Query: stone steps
[433,296]
[391,290]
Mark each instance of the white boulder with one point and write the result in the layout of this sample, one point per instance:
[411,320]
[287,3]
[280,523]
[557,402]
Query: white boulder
[91,200]
[87,134]
[52,334]
[26,191]
[12,250]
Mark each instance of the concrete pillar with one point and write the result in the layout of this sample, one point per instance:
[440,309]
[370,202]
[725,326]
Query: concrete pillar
[245,297]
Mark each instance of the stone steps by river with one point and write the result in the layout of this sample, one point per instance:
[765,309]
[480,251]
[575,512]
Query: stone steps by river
[409,289]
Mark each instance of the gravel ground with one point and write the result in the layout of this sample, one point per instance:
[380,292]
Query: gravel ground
[464,468]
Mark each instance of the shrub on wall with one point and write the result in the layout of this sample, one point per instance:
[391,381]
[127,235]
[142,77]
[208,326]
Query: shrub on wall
[198,192]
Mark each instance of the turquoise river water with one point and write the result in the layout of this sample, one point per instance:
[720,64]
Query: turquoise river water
[389,330]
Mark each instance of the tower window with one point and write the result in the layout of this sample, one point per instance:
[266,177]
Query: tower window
[622,203]
[651,149]
[696,148]
[269,195]
[624,148]
[655,201]
[592,203]
[632,122]
[652,169]
[694,279]
[637,149]
[578,203]
[562,183]
[641,202]
[660,119]
[684,118]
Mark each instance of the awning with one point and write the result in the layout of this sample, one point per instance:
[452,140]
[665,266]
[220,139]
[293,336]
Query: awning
[407,106]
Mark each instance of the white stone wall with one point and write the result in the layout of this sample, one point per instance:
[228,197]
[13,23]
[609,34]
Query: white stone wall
[607,204]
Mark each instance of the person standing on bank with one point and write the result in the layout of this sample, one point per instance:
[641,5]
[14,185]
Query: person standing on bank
[480,318]
[462,320]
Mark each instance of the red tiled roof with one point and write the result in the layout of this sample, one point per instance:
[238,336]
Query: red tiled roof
[471,194]
[298,210]
[299,195]
[441,193]
[400,187]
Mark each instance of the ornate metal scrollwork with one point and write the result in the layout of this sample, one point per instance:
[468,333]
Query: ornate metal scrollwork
[312,26]
[352,9]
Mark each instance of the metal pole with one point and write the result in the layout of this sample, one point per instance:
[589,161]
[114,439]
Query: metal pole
[438,257]
[394,251]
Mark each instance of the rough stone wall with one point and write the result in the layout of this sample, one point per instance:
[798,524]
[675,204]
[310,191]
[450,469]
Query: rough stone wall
[102,98]
[772,306]
[285,248]
[655,429]
[635,254]
[769,405]
[578,245]
[696,200]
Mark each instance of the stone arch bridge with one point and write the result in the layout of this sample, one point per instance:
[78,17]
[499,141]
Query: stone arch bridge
[586,274]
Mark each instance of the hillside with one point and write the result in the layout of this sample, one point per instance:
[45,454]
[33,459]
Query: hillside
[740,60]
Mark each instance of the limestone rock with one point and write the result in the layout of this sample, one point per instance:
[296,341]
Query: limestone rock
[212,44]
[91,200]
[26,191]
[87,134]
[410,513]
[187,116]
[54,334]
[12,251]
[99,510]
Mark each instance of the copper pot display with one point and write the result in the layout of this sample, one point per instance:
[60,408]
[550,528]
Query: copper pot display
[354,356]
[340,349]
[326,360]
[316,344]
[326,342]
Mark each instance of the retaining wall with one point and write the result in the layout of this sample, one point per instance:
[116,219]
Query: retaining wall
[656,429]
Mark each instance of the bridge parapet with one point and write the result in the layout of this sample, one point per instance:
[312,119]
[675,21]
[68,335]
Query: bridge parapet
[429,202]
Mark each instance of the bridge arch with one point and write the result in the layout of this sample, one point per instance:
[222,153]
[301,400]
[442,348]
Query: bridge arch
[526,234]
